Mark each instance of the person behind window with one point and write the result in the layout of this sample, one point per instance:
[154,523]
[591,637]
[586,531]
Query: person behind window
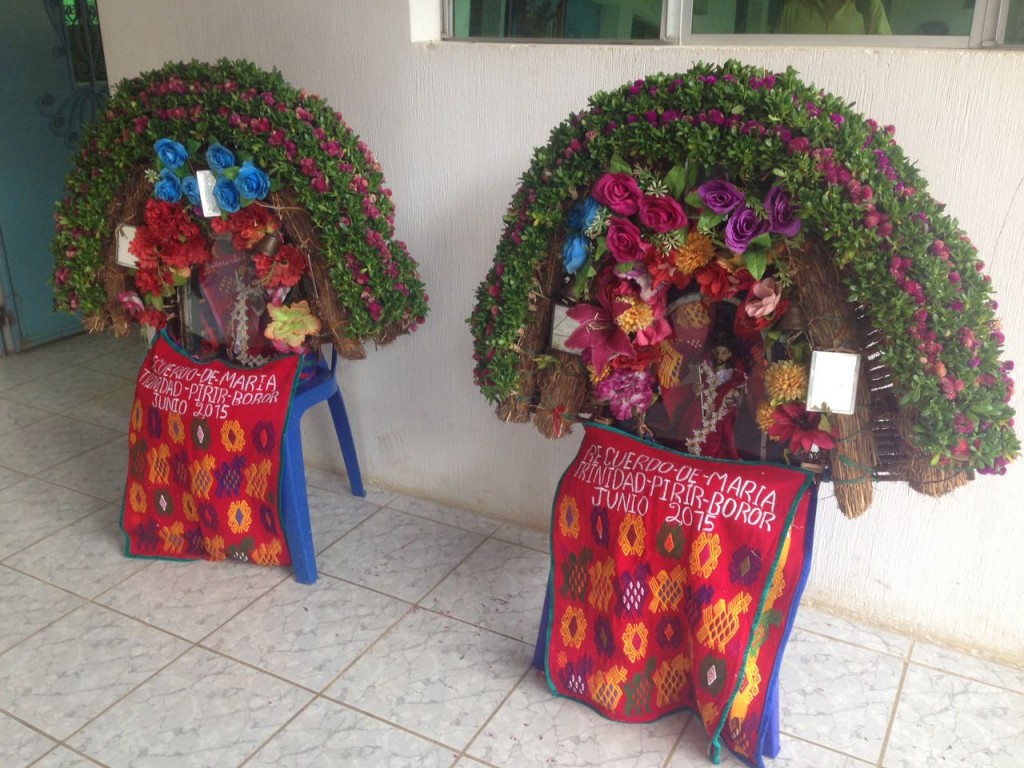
[833,17]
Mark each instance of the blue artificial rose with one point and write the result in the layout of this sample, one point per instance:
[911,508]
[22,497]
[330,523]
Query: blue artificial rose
[168,188]
[172,154]
[219,157]
[190,188]
[252,183]
[226,195]
[575,252]
[583,215]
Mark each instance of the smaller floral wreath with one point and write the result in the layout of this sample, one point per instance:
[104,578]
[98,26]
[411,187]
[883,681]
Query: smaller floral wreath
[710,182]
[288,135]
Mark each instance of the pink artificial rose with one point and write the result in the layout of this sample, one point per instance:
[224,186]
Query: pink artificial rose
[624,240]
[764,298]
[662,214]
[618,192]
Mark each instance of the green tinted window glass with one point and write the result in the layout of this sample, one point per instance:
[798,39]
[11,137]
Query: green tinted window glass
[558,19]
[834,17]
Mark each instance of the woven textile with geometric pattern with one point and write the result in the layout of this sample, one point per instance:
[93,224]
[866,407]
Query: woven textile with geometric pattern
[675,581]
[204,468]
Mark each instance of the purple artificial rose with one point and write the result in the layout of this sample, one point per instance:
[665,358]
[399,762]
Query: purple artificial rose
[742,227]
[619,192]
[624,240]
[662,214]
[780,213]
[721,196]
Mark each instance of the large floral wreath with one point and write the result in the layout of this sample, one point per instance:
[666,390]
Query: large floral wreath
[287,135]
[678,194]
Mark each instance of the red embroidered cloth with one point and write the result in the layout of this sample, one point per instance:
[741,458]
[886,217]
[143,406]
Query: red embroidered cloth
[204,465]
[674,583]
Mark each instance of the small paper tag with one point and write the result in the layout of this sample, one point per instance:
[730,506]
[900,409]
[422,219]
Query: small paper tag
[207,180]
[562,327]
[125,235]
[833,382]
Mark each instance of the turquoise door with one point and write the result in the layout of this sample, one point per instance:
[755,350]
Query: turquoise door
[52,82]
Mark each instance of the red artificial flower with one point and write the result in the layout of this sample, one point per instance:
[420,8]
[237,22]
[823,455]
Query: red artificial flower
[154,318]
[717,283]
[252,224]
[599,334]
[169,222]
[283,269]
[796,427]
[663,268]
[149,281]
[144,248]
[645,358]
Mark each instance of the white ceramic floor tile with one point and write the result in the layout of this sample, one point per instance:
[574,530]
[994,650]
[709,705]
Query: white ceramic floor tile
[794,753]
[434,675]
[500,587]
[444,514]
[965,665]
[79,666]
[525,537]
[33,365]
[19,744]
[100,472]
[328,735]
[337,481]
[86,557]
[33,509]
[332,515]
[9,477]
[192,599]
[535,727]
[944,719]
[64,392]
[18,415]
[308,633]
[28,605]
[122,362]
[837,695]
[47,443]
[402,555]
[112,410]
[203,710]
[824,623]
[80,349]
[62,757]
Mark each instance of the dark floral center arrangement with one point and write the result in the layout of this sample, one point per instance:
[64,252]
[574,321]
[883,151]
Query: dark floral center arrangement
[328,194]
[690,205]
[175,240]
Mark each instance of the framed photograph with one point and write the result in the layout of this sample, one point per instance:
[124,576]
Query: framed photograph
[562,327]
[125,235]
[833,382]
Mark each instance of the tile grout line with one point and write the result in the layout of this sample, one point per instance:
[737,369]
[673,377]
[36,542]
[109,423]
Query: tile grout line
[895,706]
[464,752]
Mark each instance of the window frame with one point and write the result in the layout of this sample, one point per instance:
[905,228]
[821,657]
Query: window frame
[988,30]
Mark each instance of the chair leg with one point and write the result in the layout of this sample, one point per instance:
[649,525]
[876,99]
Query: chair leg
[772,744]
[295,506]
[348,446]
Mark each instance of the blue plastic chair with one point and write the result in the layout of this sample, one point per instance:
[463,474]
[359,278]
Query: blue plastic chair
[323,385]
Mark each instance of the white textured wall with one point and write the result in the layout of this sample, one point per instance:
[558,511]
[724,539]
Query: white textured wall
[455,124]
